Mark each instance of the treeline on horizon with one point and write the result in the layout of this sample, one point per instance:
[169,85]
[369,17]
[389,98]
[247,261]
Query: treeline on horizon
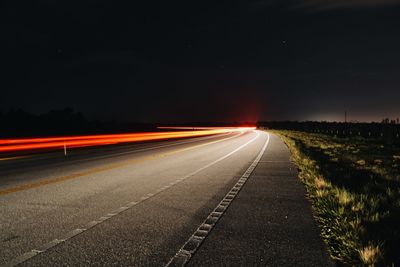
[386,131]
[19,123]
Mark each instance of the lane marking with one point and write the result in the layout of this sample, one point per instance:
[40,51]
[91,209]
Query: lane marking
[273,161]
[176,143]
[152,148]
[186,252]
[34,252]
[124,163]
[16,157]
[113,152]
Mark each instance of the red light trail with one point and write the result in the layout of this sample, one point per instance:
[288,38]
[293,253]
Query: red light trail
[14,145]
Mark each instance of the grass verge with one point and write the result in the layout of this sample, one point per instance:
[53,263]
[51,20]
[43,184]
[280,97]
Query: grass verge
[354,187]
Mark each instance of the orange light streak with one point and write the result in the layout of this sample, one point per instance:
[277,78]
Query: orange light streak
[14,145]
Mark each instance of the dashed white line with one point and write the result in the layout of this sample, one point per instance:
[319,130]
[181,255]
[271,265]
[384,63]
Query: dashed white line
[34,252]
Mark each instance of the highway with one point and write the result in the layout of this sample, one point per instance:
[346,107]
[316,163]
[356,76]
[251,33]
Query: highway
[143,204]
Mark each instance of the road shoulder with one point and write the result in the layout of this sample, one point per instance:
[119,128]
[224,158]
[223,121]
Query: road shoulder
[270,223]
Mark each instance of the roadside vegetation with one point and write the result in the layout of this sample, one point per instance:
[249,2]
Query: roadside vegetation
[354,186]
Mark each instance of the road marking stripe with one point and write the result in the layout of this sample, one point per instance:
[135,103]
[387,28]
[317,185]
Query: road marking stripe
[112,151]
[23,187]
[16,157]
[176,143]
[187,251]
[34,252]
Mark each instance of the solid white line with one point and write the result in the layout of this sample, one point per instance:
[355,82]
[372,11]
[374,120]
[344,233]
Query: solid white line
[34,252]
[190,247]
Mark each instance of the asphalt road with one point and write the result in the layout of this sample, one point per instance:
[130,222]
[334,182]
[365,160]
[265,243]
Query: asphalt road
[139,205]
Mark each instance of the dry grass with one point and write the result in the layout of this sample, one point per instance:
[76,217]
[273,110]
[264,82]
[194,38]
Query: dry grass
[369,255]
[354,186]
[343,196]
[321,183]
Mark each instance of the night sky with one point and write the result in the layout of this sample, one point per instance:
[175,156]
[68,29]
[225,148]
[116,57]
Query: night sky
[189,61]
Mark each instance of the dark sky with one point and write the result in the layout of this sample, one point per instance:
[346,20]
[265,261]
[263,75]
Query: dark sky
[183,61]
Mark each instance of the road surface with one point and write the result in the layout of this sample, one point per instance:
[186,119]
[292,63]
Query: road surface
[223,200]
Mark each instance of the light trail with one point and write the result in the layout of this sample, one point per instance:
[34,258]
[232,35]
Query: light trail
[15,145]
[193,128]
[68,138]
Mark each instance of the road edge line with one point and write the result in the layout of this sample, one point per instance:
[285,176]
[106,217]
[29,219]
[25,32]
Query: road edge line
[186,252]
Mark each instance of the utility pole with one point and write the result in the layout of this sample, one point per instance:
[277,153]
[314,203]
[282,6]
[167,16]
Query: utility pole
[65,148]
[345,116]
